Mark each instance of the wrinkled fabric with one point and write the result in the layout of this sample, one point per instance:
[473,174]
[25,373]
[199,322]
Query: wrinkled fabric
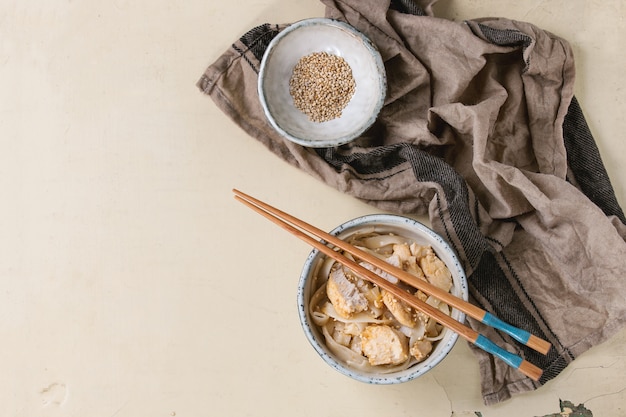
[481,130]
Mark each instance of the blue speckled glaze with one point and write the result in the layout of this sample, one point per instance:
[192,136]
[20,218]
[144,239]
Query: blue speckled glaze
[384,223]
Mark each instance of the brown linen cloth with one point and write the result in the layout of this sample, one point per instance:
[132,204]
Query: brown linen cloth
[481,131]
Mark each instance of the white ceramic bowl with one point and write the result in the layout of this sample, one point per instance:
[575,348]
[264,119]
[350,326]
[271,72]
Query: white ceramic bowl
[420,234]
[334,37]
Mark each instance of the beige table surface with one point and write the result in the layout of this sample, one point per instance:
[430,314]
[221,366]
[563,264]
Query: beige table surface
[132,284]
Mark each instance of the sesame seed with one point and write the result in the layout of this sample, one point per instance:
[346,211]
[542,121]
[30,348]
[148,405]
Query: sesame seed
[321,86]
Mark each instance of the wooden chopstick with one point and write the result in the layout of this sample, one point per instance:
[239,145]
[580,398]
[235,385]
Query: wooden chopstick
[471,310]
[278,217]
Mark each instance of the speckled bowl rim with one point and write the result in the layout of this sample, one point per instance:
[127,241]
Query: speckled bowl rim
[322,351]
[368,45]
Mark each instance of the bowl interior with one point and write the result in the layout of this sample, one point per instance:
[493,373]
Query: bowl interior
[321,35]
[384,224]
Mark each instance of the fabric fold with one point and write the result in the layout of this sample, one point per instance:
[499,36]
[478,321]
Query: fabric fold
[481,130]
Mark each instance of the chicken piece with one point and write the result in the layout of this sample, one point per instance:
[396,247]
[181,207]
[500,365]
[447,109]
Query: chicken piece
[370,291]
[419,315]
[400,310]
[394,260]
[409,261]
[413,268]
[384,345]
[437,273]
[420,251]
[344,294]
[352,329]
[402,251]
[421,349]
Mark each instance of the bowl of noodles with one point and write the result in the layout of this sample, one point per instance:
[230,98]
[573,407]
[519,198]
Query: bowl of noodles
[364,332]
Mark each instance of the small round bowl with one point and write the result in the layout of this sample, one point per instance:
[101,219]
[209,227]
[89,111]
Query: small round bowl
[383,224]
[337,38]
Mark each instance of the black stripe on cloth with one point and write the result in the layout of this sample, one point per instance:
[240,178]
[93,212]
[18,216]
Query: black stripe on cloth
[374,161]
[507,37]
[406,7]
[256,40]
[583,158]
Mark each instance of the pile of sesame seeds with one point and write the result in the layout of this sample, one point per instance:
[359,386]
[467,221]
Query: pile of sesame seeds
[322,85]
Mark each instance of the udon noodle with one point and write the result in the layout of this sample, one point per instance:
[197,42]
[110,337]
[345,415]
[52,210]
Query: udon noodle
[364,326]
